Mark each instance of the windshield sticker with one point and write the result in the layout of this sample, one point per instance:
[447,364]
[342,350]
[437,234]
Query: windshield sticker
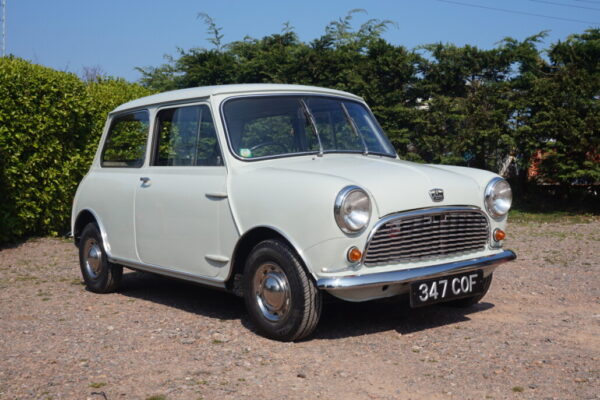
[246,153]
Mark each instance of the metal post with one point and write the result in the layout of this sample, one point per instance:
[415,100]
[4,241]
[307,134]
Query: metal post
[3,28]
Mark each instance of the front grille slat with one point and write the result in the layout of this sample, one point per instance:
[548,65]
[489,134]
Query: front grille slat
[421,255]
[429,241]
[454,226]
[418,223]
[429,255]
[416,248]
[432,234]
[407,237]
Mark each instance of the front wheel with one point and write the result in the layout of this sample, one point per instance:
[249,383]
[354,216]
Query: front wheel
[281,299]
[100,275]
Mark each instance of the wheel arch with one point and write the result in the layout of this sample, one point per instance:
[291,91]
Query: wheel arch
[85,217]
[244,246]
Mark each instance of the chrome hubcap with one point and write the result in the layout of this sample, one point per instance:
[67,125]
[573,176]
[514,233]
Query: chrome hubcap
[93,258]
[272,292]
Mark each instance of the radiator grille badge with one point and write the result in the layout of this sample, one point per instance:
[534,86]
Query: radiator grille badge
[436,195]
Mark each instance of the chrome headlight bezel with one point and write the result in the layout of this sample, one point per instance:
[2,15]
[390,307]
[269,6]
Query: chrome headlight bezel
[496,206]
[343,219]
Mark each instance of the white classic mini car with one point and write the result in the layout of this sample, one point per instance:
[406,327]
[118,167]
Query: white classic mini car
[278,193]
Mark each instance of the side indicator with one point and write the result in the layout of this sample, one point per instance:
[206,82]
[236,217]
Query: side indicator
[354,254]
[499,234]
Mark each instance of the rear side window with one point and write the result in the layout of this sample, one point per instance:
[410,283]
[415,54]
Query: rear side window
[186,136]
[125,144]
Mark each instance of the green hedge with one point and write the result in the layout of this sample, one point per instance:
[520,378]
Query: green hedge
[50,123]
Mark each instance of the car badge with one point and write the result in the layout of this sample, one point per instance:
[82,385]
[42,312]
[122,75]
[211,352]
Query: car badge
[394,228]
[436,195]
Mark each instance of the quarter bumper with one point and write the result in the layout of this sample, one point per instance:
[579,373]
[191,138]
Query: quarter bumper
[488,263]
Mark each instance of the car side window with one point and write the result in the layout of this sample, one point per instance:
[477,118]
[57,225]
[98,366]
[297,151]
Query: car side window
[186,136]
[125,144]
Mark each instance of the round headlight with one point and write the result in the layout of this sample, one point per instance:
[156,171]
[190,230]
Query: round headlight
[352,209]
[498,197]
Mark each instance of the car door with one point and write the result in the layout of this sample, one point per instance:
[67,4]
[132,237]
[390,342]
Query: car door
[181,208]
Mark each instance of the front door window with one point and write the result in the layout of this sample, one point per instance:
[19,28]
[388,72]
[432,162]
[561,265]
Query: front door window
[186,137]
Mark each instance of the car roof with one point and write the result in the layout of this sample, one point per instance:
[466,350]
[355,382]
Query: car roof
[206,91]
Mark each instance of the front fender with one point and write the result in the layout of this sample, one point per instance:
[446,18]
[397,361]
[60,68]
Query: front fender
[298,205]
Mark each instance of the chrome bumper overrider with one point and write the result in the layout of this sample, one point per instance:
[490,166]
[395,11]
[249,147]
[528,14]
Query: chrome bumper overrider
[488,263]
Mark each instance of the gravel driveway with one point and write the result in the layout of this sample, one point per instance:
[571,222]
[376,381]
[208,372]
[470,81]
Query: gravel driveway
[535,335]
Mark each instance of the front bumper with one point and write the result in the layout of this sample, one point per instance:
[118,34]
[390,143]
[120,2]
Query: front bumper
[487,264]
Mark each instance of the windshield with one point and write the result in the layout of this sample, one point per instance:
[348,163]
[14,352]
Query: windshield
[264,126]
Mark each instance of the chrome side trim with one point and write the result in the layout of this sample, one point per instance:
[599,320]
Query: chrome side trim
[487,264]
[169,272]
[423,211]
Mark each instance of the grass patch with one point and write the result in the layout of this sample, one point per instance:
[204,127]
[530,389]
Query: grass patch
[518,389]
[157,397]
[561,217]
[97,385]
[24,278]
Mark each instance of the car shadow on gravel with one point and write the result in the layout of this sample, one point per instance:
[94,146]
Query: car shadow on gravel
[185,296]
[339,319]
[343,319]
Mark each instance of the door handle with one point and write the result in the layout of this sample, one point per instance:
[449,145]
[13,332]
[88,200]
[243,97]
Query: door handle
[144,179]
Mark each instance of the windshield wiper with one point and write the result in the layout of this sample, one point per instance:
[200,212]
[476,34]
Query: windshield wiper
[355,129]
[313,123]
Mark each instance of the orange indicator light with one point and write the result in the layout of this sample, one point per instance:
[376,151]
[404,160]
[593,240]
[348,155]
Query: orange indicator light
[354,254]
[499,235]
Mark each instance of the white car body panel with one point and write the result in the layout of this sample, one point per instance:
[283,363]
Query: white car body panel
[178,219]
[114,207]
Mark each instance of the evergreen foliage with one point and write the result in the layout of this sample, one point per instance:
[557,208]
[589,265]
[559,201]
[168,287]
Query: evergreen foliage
[438,103]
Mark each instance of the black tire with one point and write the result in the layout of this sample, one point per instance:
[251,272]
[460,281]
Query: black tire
[282,301]
[470,301]
[100,276]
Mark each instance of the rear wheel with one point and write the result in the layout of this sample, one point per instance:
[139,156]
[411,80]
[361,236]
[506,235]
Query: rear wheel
[469,301]
[282,301]
[100,275]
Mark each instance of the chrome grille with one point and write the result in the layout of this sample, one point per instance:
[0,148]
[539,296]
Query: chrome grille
[426,234]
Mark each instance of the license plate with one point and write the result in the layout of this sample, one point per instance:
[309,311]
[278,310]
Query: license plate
[446,288]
